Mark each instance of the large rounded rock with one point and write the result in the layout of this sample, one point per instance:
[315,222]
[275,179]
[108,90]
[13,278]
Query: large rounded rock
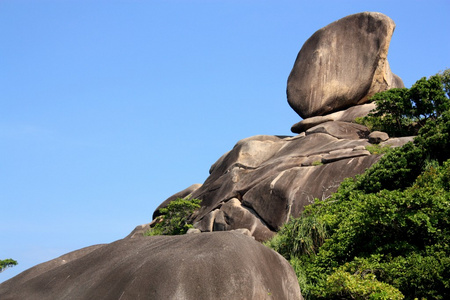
[342,65]
[222,265]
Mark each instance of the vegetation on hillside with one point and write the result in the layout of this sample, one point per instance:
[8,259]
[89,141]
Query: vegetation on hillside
[386,233]
[174,218]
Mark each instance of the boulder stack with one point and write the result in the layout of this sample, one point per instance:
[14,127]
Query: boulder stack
[264,180]
[251,191]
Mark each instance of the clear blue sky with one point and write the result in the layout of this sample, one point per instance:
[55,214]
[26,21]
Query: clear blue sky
[109,107]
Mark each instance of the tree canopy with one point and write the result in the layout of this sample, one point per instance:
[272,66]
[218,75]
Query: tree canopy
[402,111]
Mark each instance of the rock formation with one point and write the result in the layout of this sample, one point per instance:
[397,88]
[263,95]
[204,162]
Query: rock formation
[264,180]
[252,190]
[223,265]
[342,65]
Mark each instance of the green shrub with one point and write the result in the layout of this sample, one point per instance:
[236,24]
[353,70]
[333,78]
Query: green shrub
[317,163]
[174,218]
[402,112]
[343,285]
[378,149]
[299,236]
[7,263]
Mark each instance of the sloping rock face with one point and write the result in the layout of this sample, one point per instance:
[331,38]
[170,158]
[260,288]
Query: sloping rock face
[223,265]
[265,179]
[342,65]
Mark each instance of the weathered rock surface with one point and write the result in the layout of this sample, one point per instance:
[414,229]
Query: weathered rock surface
[348,115]
[341,130]
[377,137]
[266,179]
[223,265]
[342,65]
[397,142]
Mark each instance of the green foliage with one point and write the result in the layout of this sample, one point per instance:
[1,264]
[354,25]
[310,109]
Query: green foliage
[387,231]
[402,112]
[299,236]
[401,166]
[317,163]
[343,285]
[393,113]
[298,266]
[434,137]
[378,243]
[7,263]
[174,218]
[378,149]
[397,169]
[428,98]
[445,77]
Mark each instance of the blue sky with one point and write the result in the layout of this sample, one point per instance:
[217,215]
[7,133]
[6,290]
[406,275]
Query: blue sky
[109,107]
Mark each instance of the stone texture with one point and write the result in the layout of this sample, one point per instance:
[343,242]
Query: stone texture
[139,230]
[397,142]
[263,180]
[306,124]
[350,114]
[232,215]
[231,178]
[377,137]
[222,265]
[286,194]
[341,130]
[347,115]
[342,65]
[343,154]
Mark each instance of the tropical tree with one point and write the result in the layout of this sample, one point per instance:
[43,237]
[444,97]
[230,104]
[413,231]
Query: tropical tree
[402,111]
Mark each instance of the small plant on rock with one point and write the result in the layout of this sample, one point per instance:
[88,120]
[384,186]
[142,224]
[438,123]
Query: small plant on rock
[378,149]
[317,163]
[174,218]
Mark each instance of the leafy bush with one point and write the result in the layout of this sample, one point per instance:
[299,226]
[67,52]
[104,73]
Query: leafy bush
[402,112]
[343,285]
[317,163]
[299,236]
[174,218]
[378,149]
[445,77]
